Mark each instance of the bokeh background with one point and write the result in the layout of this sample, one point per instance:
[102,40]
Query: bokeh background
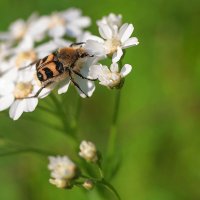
[158,129]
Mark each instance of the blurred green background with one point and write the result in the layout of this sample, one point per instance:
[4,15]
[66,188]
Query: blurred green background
[159,127]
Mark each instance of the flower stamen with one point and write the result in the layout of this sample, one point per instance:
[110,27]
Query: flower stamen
[22,90]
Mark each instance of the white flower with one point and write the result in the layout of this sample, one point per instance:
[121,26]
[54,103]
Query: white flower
[4,50]
[14,93]
[63,170]
[113,42]
[88,151]
[37,30]
[23,54]
[111,78]
[70,22]
[17,29]
[111,20]
[35,27]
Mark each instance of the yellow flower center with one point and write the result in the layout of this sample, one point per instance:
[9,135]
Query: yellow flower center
[112,45]
[23,57]
[22,90]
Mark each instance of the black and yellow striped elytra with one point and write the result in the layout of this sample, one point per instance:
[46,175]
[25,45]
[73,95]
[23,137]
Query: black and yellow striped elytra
[50,70]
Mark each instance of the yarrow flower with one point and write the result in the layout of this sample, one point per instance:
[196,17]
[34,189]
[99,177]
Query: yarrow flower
[34,27]
[70,22]
[112,78]
[20,87]
[114,40]
[63,171]
[111,20]
[88,151]
[14,93]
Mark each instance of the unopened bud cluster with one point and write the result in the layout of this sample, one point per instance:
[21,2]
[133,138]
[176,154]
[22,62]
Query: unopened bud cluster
[88,151]
[65,173]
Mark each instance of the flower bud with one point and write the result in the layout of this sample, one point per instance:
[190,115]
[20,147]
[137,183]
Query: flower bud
[88,185]
[63,171]
[88,151]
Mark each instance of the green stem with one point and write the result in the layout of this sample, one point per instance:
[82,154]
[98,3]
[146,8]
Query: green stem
[100,170]
[113,128]
[74,123]
[60,112]
[104,183]
[110,188]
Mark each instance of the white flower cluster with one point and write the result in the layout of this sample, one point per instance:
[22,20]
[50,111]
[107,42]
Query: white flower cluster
[26,42]
[64,172]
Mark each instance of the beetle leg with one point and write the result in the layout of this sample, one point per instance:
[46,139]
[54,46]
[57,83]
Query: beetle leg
[83,77]
[38,92]
[76,84]
[76,44]
[33,63]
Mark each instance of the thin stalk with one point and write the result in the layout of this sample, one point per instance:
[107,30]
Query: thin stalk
[74,123]
[100,170]
[113,128]
[60,113]
[104,183]
[63,117]
[109,187]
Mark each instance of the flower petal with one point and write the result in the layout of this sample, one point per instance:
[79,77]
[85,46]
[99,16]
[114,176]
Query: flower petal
[95,70]
[64,86]
[126,69]
[57,31]
[6,101]
[17,109]
[30,104]
[6,87]
[82,22]
[117,55]
[45,92]
[130,42]
[105,31]
[11,75]
[86,86]
[71,14]
[125,32]
[73,31]
[95,48]
[114,68]
[26,44]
